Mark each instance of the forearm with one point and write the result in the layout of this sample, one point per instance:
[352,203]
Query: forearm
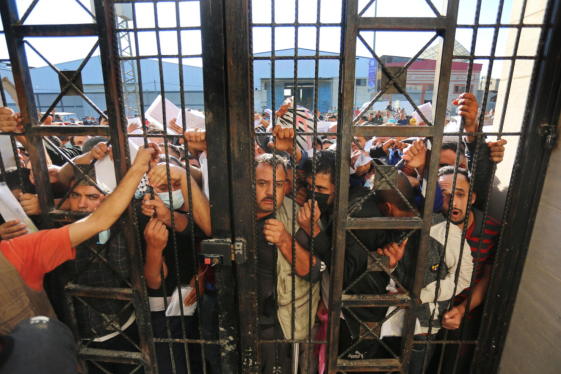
[302,258]
[153,267]
[22,140]
[181,221]
[196,174]
[479,291]
[66,173]
[201,207]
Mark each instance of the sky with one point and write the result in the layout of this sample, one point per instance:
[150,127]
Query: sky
[387,43]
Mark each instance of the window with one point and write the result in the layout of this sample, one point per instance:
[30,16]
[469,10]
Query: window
[361,82]
[461,88]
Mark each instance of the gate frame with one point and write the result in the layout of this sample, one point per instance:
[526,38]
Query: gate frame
[227,65]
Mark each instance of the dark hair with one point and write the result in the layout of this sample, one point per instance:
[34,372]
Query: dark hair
[325,163]
[364,118]
[449,170]
[453,146]
[100,117]
[172,160]
[172,148]
[267,158]
[154,132]
[72,141]
[92,142]
[391,196]
[55,140]
[12,179]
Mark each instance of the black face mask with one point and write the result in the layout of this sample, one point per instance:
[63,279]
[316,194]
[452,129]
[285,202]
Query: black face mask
[322,200]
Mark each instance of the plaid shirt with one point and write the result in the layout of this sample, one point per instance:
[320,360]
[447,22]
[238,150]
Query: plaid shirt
[97,273]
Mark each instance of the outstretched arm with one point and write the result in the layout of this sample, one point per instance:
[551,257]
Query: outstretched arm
[115,204]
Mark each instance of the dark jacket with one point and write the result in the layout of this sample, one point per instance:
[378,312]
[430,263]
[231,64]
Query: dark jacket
[356,258]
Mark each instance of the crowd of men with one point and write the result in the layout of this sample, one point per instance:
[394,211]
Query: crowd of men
[174,216]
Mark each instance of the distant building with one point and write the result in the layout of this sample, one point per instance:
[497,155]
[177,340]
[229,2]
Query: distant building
[420,82]
[491,96]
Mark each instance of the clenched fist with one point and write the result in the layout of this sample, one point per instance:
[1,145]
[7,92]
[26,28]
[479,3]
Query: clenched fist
[276,233]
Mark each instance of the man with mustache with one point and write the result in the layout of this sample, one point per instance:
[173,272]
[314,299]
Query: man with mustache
[274,239]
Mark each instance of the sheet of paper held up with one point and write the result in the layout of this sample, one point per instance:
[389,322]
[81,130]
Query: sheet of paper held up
[10,208]
[362,160]
[105,168]
[193,119]
[155,115]
[7,151]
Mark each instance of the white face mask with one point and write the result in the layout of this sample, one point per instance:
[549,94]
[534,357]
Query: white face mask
[177,199]
[257,122]
[104,236]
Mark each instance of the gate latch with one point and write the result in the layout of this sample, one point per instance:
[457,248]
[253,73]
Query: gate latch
[222,252]
[216,252]
[548,131]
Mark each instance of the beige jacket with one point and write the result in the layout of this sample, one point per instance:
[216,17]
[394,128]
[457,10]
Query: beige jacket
[302,287]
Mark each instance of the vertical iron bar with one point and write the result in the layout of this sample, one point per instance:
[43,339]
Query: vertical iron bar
[170,194]
[216,114]
[28,109]
[105,17]
[240,111]
[442,76]
[344,129]
[294,218]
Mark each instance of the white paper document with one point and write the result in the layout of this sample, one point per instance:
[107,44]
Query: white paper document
[362,160]
[7,151]
[105,168]
[10,208]
[193,119]
[155,114]
[394,325]
[174,306]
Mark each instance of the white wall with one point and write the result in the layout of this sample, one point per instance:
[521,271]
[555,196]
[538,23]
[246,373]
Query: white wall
[533,343]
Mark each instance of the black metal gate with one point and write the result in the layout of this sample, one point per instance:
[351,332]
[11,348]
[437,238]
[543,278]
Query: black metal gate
[229,63]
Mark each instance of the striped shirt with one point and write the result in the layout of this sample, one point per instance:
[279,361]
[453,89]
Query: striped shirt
[490,239]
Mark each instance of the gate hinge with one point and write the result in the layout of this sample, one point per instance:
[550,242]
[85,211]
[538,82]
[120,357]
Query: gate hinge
[550,134]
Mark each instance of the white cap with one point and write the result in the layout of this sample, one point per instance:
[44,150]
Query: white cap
[426,109]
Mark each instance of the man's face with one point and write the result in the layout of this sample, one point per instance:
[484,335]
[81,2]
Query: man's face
[104,122]
[460,199]
[87,118]
[387,113]
[80,140]
[371,116]
[401,115]
[264,188]
[85,199]
[323,185]
[288,185]
[448,158]
[175,185]
[360,140]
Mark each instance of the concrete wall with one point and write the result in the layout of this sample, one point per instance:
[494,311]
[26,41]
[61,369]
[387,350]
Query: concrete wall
[533,342]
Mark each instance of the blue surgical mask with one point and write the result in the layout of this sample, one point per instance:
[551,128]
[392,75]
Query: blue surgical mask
[104,236]
[68,145]
[367,184]
[177,199]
